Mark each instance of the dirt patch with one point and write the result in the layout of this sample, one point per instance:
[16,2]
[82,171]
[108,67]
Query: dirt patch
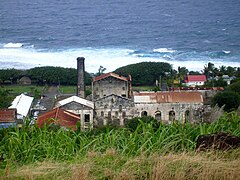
[218,141]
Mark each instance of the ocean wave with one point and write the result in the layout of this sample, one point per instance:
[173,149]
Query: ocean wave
[164,50]
[13,45]
[226,52]
[110,58]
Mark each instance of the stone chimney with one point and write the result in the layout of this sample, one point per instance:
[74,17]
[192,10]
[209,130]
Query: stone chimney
[81,77]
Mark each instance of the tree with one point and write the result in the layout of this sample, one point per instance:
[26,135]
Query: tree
[146,73]
[235,87]
[230,100]
[5,98]
[10,75]
[56,75]
[101,70]
[182,71]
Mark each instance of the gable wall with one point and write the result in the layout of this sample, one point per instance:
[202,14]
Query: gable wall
[110,85]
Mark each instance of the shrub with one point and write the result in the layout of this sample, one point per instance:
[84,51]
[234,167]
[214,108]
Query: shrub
[135,122]
[231,100]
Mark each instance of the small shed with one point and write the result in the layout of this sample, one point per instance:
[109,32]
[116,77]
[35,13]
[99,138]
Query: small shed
[25,81]
[23,104]
[8,117]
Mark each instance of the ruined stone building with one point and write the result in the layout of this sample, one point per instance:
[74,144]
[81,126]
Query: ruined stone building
[113,101]
[168,106]
[111,83]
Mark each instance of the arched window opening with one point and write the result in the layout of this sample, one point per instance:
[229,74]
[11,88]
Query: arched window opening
[109,115]
[123,114]
[144,113]
[171,116]
[120,108]
[158,116]
[116,113]
[187,116]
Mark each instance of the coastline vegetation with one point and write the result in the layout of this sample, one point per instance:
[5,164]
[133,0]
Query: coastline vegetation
[145,151]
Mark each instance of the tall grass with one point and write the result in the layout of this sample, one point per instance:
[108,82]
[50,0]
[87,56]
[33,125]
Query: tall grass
[31,144]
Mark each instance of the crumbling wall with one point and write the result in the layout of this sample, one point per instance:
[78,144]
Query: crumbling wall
[108,86]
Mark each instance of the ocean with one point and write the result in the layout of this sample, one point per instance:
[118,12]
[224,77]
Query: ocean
[115,33]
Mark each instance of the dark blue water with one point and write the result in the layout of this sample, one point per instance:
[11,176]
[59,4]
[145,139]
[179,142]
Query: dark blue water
[160,30]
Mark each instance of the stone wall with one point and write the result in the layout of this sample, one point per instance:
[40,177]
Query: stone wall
[86,113]
[113,109]
[110,85]
[167,112]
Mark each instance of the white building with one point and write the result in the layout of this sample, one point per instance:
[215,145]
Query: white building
[23,104]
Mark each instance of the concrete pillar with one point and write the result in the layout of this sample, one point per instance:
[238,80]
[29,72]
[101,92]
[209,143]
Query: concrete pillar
[81,77]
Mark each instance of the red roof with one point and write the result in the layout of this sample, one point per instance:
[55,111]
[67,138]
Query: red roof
[168,97]
[195,78]
[8,115]
[110,74]
[196,88]
[59,116]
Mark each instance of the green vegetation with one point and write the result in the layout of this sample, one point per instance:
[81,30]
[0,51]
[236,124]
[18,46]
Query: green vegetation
[143,74]
[68,89]
[235,87]
[10,76]
[73,90]
[146,73]
[230,100]
[18,89]
[109,148]
[5,98]
[43,75]
[143,88]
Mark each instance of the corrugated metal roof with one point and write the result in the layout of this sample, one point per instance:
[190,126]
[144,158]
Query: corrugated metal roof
[22,103]
[168,97]
[59,116]
[110,74]
[8,115]
[76,99]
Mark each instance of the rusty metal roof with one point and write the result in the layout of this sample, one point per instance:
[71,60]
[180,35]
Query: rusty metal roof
[59,116]
[8,115]
[110,74]
[168,97]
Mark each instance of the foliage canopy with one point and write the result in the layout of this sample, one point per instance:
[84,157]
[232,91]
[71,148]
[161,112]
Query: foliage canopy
[145,73]
[230,100]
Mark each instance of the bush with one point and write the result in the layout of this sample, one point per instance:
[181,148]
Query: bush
[230,100]
[135,122]
[235,87]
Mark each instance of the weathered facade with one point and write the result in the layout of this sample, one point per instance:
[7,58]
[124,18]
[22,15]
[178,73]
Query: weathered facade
[113,109]
[168,106]
[79,106]
[111,83]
